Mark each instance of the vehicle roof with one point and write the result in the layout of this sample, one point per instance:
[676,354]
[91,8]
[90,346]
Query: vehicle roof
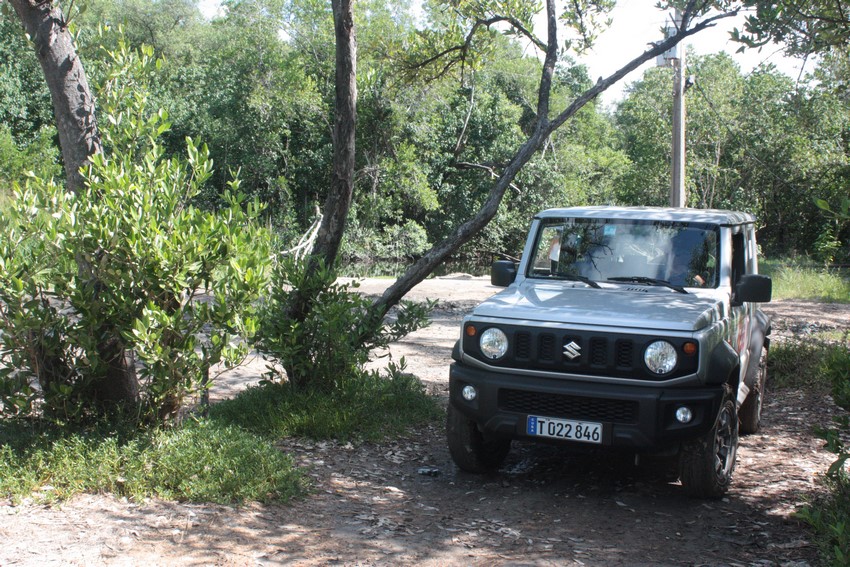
[707,216]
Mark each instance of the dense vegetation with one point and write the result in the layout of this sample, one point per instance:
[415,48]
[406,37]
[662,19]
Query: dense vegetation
[256,85]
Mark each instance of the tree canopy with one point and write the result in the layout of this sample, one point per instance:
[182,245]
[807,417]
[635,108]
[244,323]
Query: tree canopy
[256,83]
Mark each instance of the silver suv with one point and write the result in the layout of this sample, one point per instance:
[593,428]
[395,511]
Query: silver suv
[632,328]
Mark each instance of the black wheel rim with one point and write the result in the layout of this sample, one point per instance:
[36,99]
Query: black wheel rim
[725,444]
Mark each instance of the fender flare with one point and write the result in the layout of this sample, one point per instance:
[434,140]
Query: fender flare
[722,363]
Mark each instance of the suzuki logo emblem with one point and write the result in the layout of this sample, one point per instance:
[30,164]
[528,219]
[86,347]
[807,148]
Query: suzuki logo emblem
[572,350]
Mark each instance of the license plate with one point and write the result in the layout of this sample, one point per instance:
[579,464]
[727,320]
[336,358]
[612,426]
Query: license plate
[567,429]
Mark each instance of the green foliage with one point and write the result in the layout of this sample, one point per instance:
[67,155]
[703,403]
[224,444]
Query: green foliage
[757,143]
[829,516]
[39,157]
[805,27]
[228,458]
[841,212]
[372,408]
[199,462]
[25,107]
[330,347]
[120,268]
[827,246]
[799,363]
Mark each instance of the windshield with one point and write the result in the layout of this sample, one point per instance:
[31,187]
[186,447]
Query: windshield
[682,254]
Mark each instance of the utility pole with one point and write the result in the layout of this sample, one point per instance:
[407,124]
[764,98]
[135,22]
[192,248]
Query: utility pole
[677,185]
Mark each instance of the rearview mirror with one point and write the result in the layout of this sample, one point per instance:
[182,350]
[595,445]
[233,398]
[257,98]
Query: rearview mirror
[753,288]
[502,273]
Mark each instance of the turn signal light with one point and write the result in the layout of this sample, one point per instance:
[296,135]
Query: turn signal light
[689,348]
[470,330]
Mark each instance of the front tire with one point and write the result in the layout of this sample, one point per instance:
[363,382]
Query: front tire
[707,463]
[750,412]
[470,449]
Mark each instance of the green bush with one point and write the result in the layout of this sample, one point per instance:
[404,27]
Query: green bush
[332,344]
[796,363]
[92,283]
[829,517]
[40,156]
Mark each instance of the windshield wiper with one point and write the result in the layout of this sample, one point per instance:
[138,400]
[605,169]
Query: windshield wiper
[649,281]
[576,278]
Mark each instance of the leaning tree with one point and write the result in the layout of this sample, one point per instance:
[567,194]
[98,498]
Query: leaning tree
[584,19]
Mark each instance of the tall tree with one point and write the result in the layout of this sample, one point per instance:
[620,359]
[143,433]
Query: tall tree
[338,201]
[73,103]
[79,139]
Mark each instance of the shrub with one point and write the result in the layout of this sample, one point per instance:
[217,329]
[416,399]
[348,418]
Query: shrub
[92,283]
[331,346]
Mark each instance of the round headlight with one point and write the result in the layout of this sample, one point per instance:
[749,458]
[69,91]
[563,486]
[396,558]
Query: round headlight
[494,343]
[660,357]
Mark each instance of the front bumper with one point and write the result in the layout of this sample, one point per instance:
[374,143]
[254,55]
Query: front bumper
[636,417]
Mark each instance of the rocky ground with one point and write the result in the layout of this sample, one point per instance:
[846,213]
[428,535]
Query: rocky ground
[404,503]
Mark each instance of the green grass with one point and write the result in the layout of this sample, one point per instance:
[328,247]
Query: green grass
[198,462]
[798,363]
[229,457]
[793,280]
[369,408]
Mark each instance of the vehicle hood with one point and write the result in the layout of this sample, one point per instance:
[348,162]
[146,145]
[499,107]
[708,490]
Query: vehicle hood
[629,306]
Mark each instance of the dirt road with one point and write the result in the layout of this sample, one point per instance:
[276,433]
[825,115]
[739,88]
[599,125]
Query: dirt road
[404,503]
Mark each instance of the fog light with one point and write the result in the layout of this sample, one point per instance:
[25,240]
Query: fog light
[684,414]
[469,393]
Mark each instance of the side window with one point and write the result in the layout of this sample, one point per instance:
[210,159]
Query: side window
[752,256]
[739,257]
[547,251]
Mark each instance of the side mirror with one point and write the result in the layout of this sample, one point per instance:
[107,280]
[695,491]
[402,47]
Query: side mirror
[502,273]
[753,288]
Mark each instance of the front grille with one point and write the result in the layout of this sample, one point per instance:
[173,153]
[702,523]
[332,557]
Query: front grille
[569,407]
[624,351]
[522,346]
[546,350]
[598,351]
[579,352]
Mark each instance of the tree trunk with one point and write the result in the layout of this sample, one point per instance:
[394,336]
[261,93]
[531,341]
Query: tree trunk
[338,201]
[74,110]
[73,103]
[119,385]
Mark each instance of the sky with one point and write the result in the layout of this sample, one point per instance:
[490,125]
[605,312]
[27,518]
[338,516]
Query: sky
[636,23]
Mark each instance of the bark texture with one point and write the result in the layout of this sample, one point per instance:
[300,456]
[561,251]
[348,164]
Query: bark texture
[338,201]
[74,110]
[73,103]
